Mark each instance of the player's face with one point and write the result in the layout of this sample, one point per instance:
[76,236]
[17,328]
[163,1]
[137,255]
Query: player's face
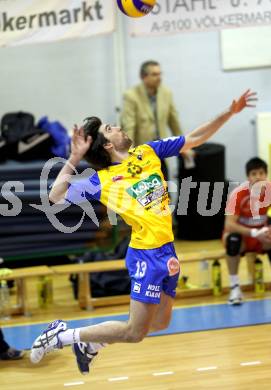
[118,138]
[257,175]
[154,76]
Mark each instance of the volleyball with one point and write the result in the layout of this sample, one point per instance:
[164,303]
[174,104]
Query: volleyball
[136,8]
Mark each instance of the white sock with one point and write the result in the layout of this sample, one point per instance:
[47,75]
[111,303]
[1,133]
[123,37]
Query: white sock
[234,279]
[69,336]
[72,336]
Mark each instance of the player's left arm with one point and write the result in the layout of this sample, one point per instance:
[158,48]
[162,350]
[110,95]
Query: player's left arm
[205,131]
[79,146]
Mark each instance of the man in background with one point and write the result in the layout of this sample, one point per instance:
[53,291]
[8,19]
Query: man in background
[148,108]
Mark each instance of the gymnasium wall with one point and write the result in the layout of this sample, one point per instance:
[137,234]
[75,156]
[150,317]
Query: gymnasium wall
[72,79]
[66,80]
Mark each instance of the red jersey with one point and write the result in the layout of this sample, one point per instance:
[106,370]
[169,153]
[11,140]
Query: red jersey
[250,207]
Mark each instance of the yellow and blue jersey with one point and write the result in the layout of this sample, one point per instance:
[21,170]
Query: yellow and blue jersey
[135,189]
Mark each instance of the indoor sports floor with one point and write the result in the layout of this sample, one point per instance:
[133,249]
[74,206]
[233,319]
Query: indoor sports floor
[209,345]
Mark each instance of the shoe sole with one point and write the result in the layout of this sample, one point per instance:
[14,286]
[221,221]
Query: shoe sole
[238,303]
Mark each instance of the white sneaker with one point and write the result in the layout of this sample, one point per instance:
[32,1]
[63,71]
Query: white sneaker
[47,341]
[236,296]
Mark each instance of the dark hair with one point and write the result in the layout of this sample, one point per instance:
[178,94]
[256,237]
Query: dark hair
[144,67]
[96,155]
[255,163]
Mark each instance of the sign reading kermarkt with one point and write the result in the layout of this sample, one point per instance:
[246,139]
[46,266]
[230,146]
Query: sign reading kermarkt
[33,21]
[177,16]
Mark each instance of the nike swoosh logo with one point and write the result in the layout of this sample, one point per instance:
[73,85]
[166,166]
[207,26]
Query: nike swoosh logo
[33,141]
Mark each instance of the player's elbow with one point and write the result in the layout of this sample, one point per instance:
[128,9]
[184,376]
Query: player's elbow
[52,198]
[188,145]
[55,198]
[192,142]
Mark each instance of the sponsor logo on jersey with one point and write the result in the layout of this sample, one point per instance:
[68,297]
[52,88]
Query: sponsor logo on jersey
[137,287]
[153,291]
[118,177]
[173,266]
[147,190]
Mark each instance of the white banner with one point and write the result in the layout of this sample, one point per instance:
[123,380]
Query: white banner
[34,21]
[178,16]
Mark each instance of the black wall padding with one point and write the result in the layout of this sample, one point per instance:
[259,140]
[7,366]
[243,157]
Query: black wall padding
[44,249]
[210,167]
[210,162]
[30,232]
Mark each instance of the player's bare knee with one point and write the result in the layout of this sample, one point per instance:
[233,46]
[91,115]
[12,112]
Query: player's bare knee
[165,325]
[135,335]
[160,326]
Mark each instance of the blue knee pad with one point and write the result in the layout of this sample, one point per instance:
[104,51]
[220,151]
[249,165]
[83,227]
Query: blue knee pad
[233,244]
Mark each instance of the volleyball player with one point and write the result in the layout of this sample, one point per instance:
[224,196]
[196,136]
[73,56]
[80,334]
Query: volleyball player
[130,182]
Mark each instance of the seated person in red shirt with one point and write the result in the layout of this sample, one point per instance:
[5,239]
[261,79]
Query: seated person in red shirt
[246,222]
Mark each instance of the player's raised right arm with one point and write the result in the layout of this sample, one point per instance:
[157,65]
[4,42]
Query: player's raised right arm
[79,146]
[204,132]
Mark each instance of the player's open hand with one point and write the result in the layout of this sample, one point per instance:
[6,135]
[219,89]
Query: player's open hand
[244,101]
[264,235]
[79,143]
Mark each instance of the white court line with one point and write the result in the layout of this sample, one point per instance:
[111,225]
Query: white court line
[163,373]
[120,378]
[207,368]
[250,363]
[74,383]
